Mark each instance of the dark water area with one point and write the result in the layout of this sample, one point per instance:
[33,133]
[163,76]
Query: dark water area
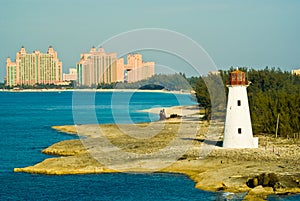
[25,121]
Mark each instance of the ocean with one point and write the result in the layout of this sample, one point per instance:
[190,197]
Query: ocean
[26,119]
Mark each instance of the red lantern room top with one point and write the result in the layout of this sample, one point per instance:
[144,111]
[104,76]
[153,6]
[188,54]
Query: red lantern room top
[237,78]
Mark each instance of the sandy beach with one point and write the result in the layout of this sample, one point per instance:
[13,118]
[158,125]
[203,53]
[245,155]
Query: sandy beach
[220,169]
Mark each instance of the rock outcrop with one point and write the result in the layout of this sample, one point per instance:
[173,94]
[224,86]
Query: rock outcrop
[265,180]
[274,168]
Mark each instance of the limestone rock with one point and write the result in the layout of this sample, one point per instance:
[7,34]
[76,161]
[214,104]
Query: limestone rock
[264,179]
[259,193]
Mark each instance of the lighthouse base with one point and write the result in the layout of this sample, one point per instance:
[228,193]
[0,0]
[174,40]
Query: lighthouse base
[233,143]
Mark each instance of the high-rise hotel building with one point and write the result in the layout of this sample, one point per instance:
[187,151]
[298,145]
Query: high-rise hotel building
[137,69]
[34,68]
[97,67]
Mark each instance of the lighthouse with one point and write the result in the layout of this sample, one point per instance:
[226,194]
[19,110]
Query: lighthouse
[238,128]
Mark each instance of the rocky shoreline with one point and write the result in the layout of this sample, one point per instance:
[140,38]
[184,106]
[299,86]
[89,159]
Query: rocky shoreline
[222,169]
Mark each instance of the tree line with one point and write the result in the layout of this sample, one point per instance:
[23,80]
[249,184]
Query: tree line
[272,93]
[175,82]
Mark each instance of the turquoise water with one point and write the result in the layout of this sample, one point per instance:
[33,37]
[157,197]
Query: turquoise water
[26,120]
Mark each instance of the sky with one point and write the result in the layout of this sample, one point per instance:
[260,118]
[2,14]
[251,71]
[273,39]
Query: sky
[235,33]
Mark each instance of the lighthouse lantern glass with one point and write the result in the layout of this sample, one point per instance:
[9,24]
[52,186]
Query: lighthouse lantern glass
[237,78]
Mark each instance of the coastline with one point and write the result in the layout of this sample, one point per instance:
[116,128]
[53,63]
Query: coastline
[96,90]
[222,170]
[190,111]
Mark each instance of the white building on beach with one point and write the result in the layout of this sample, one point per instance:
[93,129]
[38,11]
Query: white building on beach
[238,128]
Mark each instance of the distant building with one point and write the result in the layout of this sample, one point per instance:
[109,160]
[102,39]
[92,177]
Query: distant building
[216,72]
[34,68]
[136,69]
[296,72]
[71,76]
[97,67]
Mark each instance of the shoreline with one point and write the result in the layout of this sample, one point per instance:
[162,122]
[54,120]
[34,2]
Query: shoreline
[222,170]
[96,90]
[183,111]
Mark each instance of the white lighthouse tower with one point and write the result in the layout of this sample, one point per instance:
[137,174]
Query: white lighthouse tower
[238,129]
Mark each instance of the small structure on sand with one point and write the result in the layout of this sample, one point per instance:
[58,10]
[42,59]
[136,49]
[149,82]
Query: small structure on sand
[238,128]
[162,115]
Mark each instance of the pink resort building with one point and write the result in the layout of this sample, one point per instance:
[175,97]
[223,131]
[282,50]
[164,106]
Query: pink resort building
[71,76]
[97,67]
[34,68]
[137,69]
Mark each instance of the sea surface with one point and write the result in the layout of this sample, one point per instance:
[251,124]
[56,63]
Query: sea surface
[25,129]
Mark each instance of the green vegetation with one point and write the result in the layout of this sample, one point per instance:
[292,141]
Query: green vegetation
[204,96]
[274,93]
[39,86]
[160,81]
[2,86]
[169,82]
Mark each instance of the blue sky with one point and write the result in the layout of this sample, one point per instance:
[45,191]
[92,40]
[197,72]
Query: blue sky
[234,33]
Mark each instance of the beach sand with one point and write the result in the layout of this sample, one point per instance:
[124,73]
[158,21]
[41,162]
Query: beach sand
[222,169]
